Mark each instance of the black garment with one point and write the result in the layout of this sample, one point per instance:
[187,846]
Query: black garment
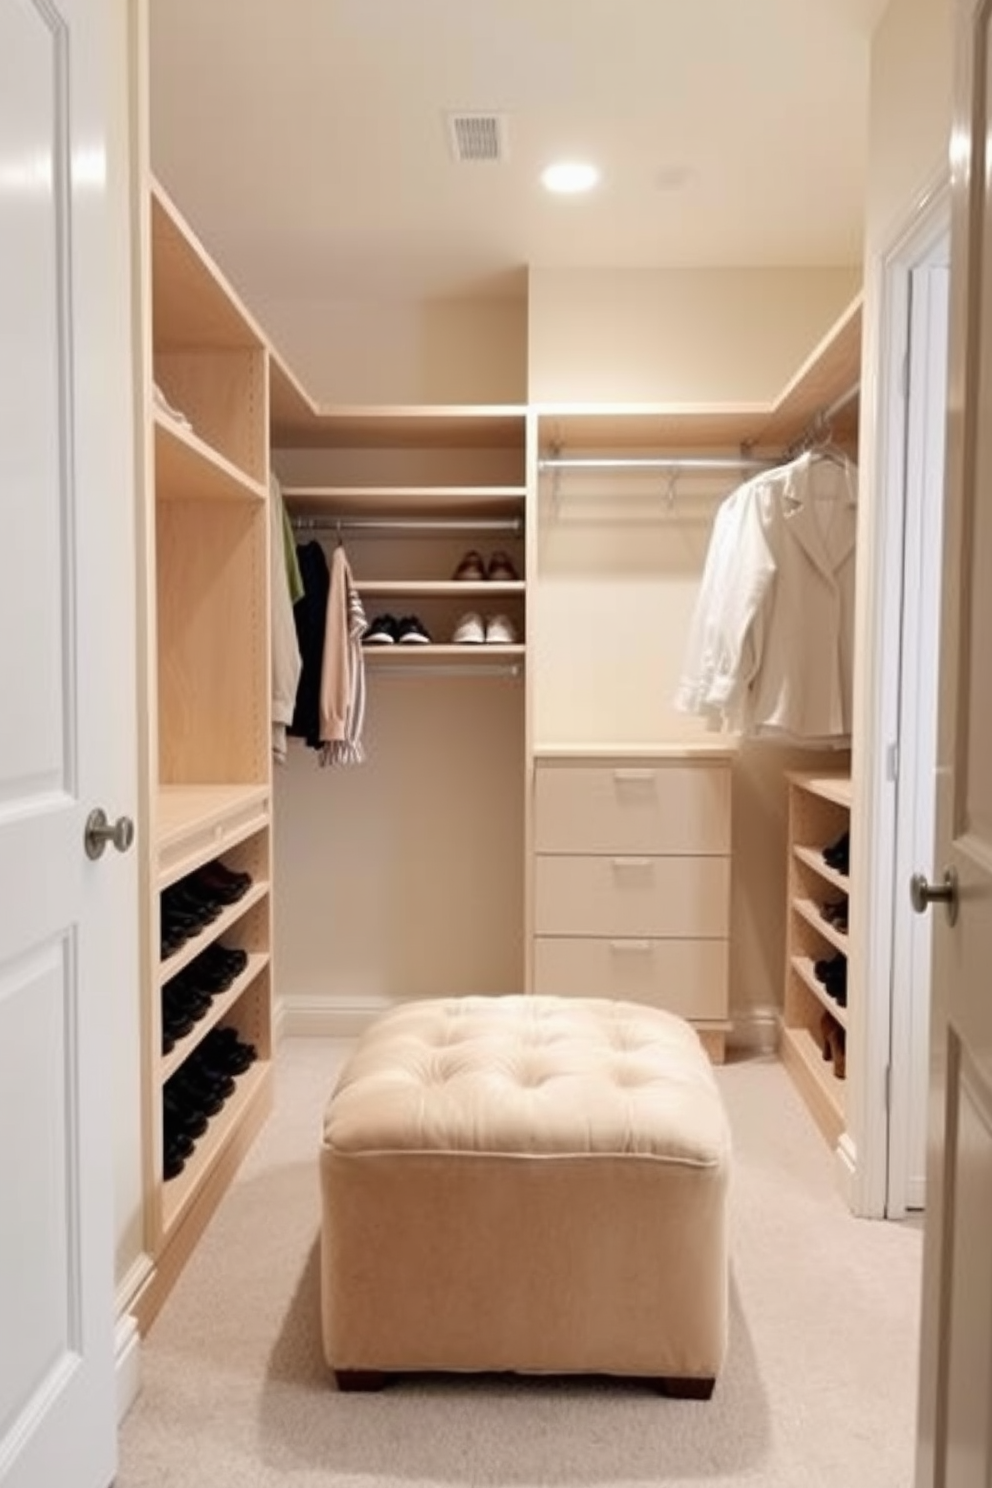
[310,614]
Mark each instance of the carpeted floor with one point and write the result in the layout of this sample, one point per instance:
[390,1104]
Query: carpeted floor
[818,1389]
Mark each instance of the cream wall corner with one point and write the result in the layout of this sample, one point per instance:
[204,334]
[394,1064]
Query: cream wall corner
[680,336]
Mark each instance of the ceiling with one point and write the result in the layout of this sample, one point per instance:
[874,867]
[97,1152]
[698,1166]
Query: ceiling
[307,141]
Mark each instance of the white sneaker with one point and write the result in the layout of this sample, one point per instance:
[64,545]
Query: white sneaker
[470,630]
[499,631]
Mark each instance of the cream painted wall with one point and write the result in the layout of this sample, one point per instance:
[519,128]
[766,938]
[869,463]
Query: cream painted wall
[910,113]
[676,335]
[444,351]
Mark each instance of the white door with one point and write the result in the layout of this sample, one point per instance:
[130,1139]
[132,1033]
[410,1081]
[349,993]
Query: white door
[67,726]
[926,404]
[955,1427]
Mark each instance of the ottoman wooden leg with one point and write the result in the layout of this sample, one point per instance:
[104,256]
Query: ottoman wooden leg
[682,1388]
[359,1379]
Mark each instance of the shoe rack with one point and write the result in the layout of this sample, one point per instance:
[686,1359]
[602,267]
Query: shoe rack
[814,1030]
[207,786]
[408,543]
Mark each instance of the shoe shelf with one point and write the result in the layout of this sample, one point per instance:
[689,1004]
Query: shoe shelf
[220,1006]
[819,814]
[178,1193]
[814,1078]
[811,914]
[436,653]
[170,966]
[441,588]
[813,858]
[189,469]
[196,823]
[803,966]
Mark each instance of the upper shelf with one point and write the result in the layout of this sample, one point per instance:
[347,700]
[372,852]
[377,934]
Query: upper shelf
[193,306]
[829,373]
[297,423]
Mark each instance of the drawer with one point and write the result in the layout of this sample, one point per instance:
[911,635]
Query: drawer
[688,977]
[629,895]
[632,808]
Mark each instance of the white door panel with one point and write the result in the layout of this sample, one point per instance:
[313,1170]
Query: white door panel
[67,733]
[955,1438]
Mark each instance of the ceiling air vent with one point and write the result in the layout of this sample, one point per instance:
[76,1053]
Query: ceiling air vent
[477,137]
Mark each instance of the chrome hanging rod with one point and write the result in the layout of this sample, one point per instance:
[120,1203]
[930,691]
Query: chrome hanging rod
[406,524]
[845,398]
[674,463]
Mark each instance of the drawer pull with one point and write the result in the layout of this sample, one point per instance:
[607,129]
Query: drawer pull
[633,777]
[630,945]
[631,862]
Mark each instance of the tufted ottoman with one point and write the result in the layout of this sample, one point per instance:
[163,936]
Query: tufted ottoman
[526,1183]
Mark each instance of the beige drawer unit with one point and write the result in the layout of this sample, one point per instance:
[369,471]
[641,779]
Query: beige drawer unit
[623,808]
[688,977]
[610,895]
[631,882]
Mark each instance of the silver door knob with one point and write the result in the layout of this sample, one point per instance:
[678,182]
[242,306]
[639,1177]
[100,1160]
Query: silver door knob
[923,894]
[100,831]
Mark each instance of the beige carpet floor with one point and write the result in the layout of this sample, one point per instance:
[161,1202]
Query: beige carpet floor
[818,1389]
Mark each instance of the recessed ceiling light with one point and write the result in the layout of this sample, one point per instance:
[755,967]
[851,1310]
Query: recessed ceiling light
[569,176]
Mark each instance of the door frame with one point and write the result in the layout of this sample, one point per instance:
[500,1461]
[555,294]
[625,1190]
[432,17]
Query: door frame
[883,1020]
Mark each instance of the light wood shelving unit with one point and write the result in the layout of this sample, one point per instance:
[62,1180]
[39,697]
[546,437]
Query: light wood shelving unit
[207,750]
[405,540]
[819,813]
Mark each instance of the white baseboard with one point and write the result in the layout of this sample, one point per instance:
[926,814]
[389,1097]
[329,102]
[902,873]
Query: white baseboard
[755,1031]
[312,1017]
[846,1163]
[278,1021]
[127,1363]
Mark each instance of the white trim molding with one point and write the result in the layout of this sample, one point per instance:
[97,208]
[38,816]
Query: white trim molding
[315,1017]
[127,1363]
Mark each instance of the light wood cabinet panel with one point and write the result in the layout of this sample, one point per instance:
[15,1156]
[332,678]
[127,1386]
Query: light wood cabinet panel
[632,895]
[815,1021]
[688,977]
[622,807]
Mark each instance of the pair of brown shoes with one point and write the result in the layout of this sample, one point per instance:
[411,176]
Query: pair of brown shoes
[833,1044]
[474,569]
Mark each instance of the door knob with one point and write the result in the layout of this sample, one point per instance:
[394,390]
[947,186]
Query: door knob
[923,894]
[100,831]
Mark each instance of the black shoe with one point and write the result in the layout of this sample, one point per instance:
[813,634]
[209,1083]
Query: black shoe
[837,855]
[411,632]
[381,632]
[216,882]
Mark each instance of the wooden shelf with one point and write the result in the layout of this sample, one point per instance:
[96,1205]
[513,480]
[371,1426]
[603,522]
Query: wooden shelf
[399,502]
[830,371]
[811,914]
[193,306]
[188,469]
[441,588]
[813,858]
[219,1008]
[830,787]
[479,654]
[397,426]
[803,967]
[824,1093]
[190,949]
[178,1193]
[196,823]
